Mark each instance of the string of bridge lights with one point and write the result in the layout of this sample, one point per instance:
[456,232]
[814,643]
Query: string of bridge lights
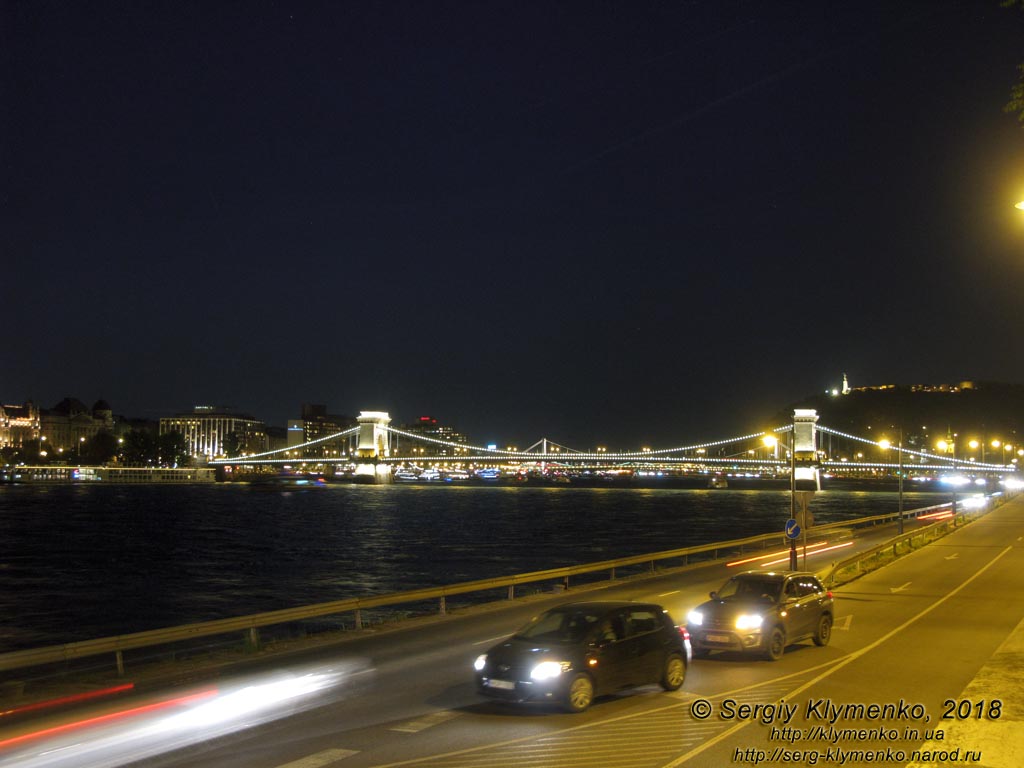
[584,454]
[255,456]
[566,452]
[920,454]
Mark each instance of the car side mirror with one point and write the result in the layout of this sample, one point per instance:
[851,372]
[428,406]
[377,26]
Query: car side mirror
[713,595]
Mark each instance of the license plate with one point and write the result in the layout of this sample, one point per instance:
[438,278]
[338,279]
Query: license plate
[718,638]
[505,685]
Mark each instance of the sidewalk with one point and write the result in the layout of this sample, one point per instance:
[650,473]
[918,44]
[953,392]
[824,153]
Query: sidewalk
[1000,742]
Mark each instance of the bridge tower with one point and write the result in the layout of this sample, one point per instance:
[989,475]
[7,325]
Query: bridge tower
[805,450]
[374,443]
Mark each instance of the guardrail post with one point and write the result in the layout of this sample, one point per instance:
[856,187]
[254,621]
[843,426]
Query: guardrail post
[511,591]
[120,663]
[565,584]
[442,605]
[254,638]
[359,619]
[612,577]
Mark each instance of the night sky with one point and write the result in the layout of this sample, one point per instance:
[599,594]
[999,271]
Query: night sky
[629,223]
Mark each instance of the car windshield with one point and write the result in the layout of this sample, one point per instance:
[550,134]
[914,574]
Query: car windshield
[560,626]
[750,588]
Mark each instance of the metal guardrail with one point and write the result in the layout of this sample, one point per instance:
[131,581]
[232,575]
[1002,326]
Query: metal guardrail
[906,540]
[252,623]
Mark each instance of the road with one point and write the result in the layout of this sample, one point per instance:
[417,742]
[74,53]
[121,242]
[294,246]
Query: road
[912,635]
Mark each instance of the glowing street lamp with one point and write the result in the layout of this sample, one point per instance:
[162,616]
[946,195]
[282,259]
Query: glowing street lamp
[950,447]
[1020,205]
[886,445]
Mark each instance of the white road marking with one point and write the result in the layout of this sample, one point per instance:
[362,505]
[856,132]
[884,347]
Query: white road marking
[954,556]
[320,759]
[894,590]
[673,592]
[845,623]
[491,641]
[427,721]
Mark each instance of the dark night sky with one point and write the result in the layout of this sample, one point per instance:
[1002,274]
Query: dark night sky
[626,222]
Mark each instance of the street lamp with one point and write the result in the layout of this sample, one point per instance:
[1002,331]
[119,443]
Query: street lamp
[899,459]
[979,446]
[950,447]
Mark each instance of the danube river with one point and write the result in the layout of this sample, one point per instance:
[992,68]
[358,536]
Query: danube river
[79,562]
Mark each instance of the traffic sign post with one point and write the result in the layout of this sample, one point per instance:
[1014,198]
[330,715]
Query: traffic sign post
[804,518]
[793,532]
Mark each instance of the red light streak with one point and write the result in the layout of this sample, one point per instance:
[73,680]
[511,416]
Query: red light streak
[108,718]
[772,554]
[78,698]
[817,552]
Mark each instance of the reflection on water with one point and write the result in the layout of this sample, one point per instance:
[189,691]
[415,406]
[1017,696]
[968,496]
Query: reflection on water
[89,561]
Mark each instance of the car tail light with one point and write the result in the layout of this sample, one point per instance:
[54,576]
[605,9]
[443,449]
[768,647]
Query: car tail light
[829,594]
[684,633]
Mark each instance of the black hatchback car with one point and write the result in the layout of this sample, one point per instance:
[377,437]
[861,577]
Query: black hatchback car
[762,612]
[576,652]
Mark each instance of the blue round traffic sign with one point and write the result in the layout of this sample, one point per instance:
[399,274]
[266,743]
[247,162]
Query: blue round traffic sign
[792,529]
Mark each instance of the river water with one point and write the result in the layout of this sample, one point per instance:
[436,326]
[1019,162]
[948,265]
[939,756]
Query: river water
[85,561]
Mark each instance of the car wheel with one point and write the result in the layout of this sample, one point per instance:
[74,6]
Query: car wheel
[674,674]
[824,632]
[581,693]
[776,645]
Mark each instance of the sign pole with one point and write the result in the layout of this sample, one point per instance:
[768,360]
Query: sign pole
[792,494]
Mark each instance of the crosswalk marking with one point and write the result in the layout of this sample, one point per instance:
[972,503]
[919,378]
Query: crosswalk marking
[427,721]
[320,759]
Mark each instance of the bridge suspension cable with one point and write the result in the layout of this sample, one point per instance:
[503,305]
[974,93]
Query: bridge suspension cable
[912,452]
[287,449]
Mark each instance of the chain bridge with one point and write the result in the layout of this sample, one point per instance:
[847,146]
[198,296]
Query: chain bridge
[805,450]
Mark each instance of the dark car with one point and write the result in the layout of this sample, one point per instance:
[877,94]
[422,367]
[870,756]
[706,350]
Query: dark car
[576,652]
[761,612]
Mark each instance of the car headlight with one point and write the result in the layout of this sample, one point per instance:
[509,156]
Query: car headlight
[695,617]
[480,663]
[549,669]
[749,621]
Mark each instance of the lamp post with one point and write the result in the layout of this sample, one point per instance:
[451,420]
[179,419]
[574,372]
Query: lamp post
[792,495]
[899,472]
[950,447]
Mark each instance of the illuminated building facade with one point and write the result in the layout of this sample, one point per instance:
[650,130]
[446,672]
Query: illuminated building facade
[70,423]
[18,424]
[207,429]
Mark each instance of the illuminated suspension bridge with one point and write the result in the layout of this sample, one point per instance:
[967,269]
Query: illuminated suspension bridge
[771,452]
